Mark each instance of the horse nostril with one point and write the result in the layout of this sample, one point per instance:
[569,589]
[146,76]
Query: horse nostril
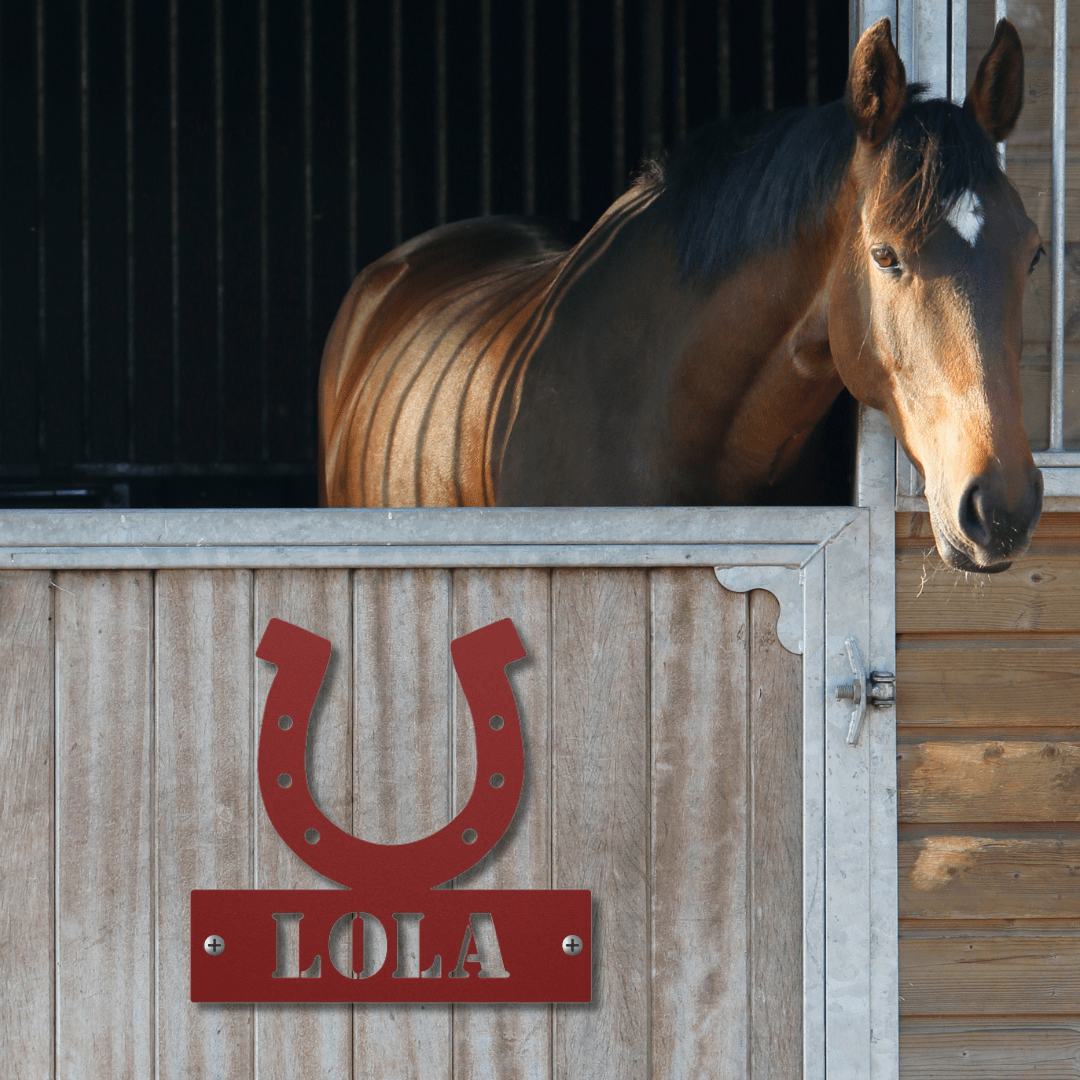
[975,515]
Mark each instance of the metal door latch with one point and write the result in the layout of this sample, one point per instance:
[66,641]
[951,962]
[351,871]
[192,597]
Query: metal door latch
[878,688]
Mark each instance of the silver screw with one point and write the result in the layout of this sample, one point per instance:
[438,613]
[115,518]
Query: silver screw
[214,945]
[571,944]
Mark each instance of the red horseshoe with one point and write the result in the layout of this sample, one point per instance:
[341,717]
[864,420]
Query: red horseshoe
[480,659]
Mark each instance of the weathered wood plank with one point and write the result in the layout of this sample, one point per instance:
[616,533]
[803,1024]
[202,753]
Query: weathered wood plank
[989,877]
[26,838]
[204,766]
[508,1042]
[290,1038]
[402,776]
[1056,531]
[988,780]
[1012,1049]
[943,975]
[700,1022]
[1040,592]
[776,886]
[991,681]
[601,793]
[105,960]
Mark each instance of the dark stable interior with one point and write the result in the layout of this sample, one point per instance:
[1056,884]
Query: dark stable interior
[183,205]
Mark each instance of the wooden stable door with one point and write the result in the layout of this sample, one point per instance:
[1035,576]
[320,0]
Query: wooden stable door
[681,763]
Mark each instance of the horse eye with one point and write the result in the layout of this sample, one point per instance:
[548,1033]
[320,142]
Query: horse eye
[1038,255]
[885,257]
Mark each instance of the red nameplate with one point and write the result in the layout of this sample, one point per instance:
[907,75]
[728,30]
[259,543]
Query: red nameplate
[391,935]
[467,945]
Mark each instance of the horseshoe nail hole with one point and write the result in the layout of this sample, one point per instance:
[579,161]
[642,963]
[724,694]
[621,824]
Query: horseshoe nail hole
[284,780]
[497,779]
[469,836]
[496,722]
[312,836]
[284,722]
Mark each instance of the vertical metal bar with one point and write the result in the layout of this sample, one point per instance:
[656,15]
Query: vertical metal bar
[811,53]
[309,243]
[618,132]
[905,32]
[723,58]
[930,44]
[264,235]
[398,149]
[43,331]
[680,66]
[653,65]
[1057,240]
[219,235]
[442,147]
[84,162]
[174,189]
[350,113]
[957,50]
[768,88]
[485,107]
[573,49]
[529,106]
[1001,11]
[129,179]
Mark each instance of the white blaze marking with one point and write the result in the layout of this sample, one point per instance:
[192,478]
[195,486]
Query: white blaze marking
[966,217]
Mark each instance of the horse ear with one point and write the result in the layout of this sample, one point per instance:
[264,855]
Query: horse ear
[997,93]
[876,83]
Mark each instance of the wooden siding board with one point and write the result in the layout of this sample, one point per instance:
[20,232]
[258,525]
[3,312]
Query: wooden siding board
[991,680]
[512,1042]
[956,876]
[997,780]
[1055,531]
[104,725]
[1010,1050]
[1040,592]
[204,769]
[289,1038]
[26,810]
[601,810]
[699,660]
[401,784]
[979,975]
[776,887]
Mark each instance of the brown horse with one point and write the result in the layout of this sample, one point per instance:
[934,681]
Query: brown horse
[685,349]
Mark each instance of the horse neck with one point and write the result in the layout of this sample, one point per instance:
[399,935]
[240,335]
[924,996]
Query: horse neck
[758,375]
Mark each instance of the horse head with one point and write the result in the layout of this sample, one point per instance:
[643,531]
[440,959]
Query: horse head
[925,310]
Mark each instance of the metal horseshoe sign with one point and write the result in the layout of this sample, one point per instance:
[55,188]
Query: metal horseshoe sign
[391,935]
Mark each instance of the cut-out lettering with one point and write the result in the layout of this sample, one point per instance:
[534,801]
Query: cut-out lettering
[488,956]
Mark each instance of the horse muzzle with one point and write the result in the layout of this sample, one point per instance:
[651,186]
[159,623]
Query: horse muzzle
[989,530]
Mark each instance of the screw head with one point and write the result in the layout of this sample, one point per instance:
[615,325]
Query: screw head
[571,945]
[214,945]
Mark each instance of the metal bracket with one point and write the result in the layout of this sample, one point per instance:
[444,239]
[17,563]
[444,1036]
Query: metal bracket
[785,583]
[878,688]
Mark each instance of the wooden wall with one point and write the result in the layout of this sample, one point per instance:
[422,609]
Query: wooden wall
[988,685]
[662,724]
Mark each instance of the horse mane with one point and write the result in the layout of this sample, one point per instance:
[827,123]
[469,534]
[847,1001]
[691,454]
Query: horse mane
[741,187]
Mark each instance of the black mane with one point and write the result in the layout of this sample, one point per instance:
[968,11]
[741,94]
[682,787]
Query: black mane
[739,188]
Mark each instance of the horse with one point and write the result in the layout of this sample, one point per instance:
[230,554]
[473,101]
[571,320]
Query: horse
[685,349]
